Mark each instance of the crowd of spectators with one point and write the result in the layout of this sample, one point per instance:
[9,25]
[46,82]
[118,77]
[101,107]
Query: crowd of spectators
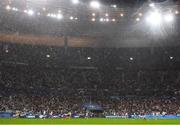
[64,91]
[31,83]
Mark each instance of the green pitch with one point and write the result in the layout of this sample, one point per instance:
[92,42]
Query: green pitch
[94,121]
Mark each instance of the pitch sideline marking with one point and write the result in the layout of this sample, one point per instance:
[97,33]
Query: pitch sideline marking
[89,124]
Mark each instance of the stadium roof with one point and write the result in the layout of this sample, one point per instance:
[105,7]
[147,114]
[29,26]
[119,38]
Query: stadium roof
[108,23]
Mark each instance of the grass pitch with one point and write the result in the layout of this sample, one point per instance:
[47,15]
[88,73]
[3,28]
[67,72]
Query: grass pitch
[92,121]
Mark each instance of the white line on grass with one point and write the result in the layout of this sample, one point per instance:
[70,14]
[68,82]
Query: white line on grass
[89,124]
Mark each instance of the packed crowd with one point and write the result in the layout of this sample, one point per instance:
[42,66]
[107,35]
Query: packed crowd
[49,80]
[64,91]
[61,106]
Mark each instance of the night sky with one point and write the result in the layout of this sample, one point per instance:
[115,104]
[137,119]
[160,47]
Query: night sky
[132,2]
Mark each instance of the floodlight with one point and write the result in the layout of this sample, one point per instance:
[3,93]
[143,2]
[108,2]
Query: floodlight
[113,20]
[137,19]
[75,1]
[71,17]
[154,18]
[44,9]
[169,18]
[107,20]
[106,14]
[95,4]
[30,12]
[25,11]
[14,9]
[101,19]
[8,7]
[59,16]
[114,6]
[140,14]
[93,19]
[93,14]
[152,5]
[176,12]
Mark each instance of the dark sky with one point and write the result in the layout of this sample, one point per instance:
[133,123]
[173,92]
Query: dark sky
[132,2]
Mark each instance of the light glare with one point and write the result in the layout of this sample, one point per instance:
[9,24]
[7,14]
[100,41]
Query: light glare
[30,12]
[71,18]
[169,18]
[106,14]
[8,7]
[101,19]
[44,9]
[14,9]
[93,19]
[176,12]
[152,5]
[95,4]
[59,16]
[93,14]
[107,20]
[155,18]
[75,1]
[113,20]
[140,14]
[137,19]
[114,6]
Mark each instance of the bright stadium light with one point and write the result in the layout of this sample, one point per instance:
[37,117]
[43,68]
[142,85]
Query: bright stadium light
[176,12]
[93,14]
[89,58]
[53,15]
[25,11]
[75,1]
[14,9]
[8,7]
[114,6]
[30,12]
[107,20]
[169,18]
[59,16]
[113,20]
[152,5]
[140,14]
[93,19]
[154,18]
[71,17]
[95,4]
[44,9]
[137,19]
[101,19]
[106,14]
[121,14]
